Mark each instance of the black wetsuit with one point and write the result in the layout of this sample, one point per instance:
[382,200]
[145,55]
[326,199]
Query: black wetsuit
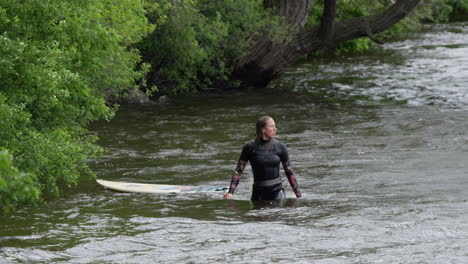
[265,158]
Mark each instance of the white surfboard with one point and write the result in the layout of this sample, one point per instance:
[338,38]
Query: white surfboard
[158,188]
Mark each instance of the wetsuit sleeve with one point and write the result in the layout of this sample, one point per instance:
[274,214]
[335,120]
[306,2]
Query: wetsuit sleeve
[239,169]
[284,156]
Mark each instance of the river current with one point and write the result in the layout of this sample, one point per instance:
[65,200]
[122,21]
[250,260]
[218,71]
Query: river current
[379,143]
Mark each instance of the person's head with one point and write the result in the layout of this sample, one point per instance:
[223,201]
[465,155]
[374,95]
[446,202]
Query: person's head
[266,128]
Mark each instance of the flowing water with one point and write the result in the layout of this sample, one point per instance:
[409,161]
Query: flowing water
[379,142]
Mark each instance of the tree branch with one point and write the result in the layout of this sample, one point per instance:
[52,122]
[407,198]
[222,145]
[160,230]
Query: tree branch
[267,59]
[356,27]
[373,24]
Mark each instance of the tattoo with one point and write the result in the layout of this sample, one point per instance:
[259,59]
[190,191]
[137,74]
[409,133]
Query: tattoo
[240,167]
[291,178]
[236,176]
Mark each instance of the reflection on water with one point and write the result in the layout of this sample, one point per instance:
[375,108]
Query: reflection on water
[379,142]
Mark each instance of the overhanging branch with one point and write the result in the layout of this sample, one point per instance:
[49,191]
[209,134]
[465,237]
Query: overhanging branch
[373,24]
[267,59]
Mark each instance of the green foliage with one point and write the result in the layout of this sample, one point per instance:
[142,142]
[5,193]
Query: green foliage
[347,9]
[59,60]
[15,187]
[356,45]
[437,11]
[195,39]
[429,11]
[440,11]
[460,10]
[315,14]
[173,49]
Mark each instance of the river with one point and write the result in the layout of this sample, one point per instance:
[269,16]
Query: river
[379,142]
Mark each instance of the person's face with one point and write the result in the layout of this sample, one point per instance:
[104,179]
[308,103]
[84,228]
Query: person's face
[269,131]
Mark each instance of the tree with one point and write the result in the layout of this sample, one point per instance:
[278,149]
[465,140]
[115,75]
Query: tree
[267,59]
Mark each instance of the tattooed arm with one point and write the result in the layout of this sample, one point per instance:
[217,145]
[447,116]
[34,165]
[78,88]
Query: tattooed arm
[243,160]
[291,178]
[289,171]
[235,178]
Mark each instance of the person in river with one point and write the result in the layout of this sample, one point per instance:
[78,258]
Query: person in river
[265,155]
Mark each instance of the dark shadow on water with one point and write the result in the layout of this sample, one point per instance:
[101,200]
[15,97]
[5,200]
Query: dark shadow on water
[283,203]
[258,205]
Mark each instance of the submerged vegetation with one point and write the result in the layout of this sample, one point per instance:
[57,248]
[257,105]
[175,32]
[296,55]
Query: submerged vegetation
[61,62]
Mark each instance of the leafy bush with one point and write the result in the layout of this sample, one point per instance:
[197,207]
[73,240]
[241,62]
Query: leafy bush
[59,60]
[196,39]
[15,187]
[460,10]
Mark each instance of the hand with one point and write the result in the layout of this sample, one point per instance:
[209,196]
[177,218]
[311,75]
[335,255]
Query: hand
[228,196]
[297,192]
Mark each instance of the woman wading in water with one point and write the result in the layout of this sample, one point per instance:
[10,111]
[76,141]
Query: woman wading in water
[265,155]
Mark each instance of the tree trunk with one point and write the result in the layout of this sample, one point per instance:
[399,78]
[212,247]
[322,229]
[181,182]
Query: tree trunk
[268,59]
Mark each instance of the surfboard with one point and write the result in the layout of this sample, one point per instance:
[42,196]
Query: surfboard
[158,188]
